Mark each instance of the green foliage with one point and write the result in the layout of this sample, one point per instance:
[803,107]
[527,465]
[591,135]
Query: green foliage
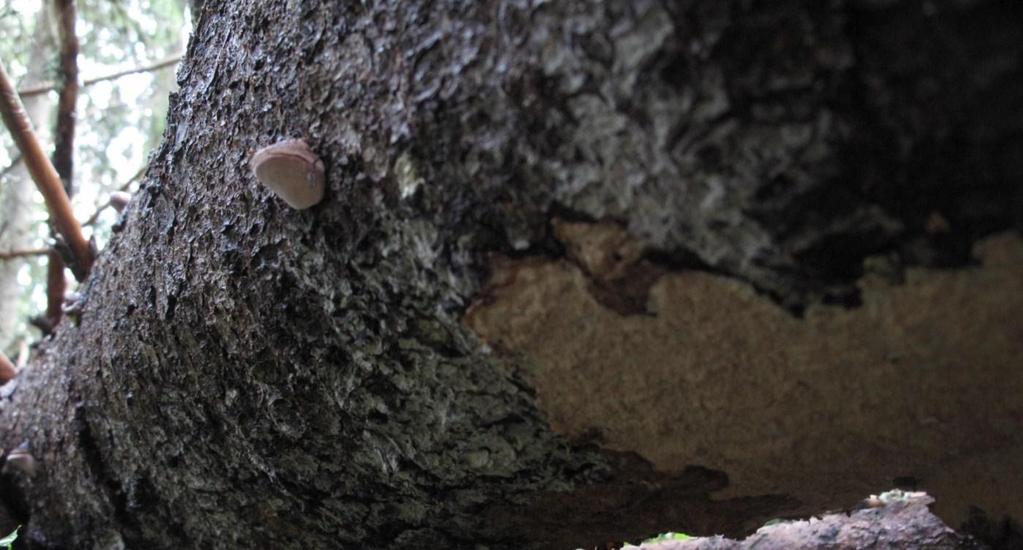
[667,536]
[660,538]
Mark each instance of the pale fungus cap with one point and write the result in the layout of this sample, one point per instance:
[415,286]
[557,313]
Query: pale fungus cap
[20,460]
[291,170]
[119,199]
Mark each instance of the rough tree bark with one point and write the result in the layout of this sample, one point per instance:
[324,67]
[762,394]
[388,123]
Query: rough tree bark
[247,375]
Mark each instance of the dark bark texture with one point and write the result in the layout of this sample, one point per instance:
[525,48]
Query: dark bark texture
[245,375]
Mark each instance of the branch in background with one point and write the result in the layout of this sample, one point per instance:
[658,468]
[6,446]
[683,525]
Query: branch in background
[115,199]
[26,253]
[14,164]
[118,200]
[7,370]
[63,150]
[44,175]
[64,136]
[43,88]
[95,214]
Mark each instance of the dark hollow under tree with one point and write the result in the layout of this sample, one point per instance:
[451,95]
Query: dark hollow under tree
[246,375]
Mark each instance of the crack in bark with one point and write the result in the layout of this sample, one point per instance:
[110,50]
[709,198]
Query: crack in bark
[103,476]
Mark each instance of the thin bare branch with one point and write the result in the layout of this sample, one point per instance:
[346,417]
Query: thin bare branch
[95,214]
[45,176]
[44,88]
[25,253]
[14,164]
[64,145]
[101,207]
[64,136]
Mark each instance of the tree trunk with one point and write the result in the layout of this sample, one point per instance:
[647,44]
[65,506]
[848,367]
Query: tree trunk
[243,374]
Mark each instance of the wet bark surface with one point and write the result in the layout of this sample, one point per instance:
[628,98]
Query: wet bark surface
[244,374]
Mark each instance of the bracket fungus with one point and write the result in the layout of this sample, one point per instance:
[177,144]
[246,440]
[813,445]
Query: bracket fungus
[292,171]
[20,460]
[119,200]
